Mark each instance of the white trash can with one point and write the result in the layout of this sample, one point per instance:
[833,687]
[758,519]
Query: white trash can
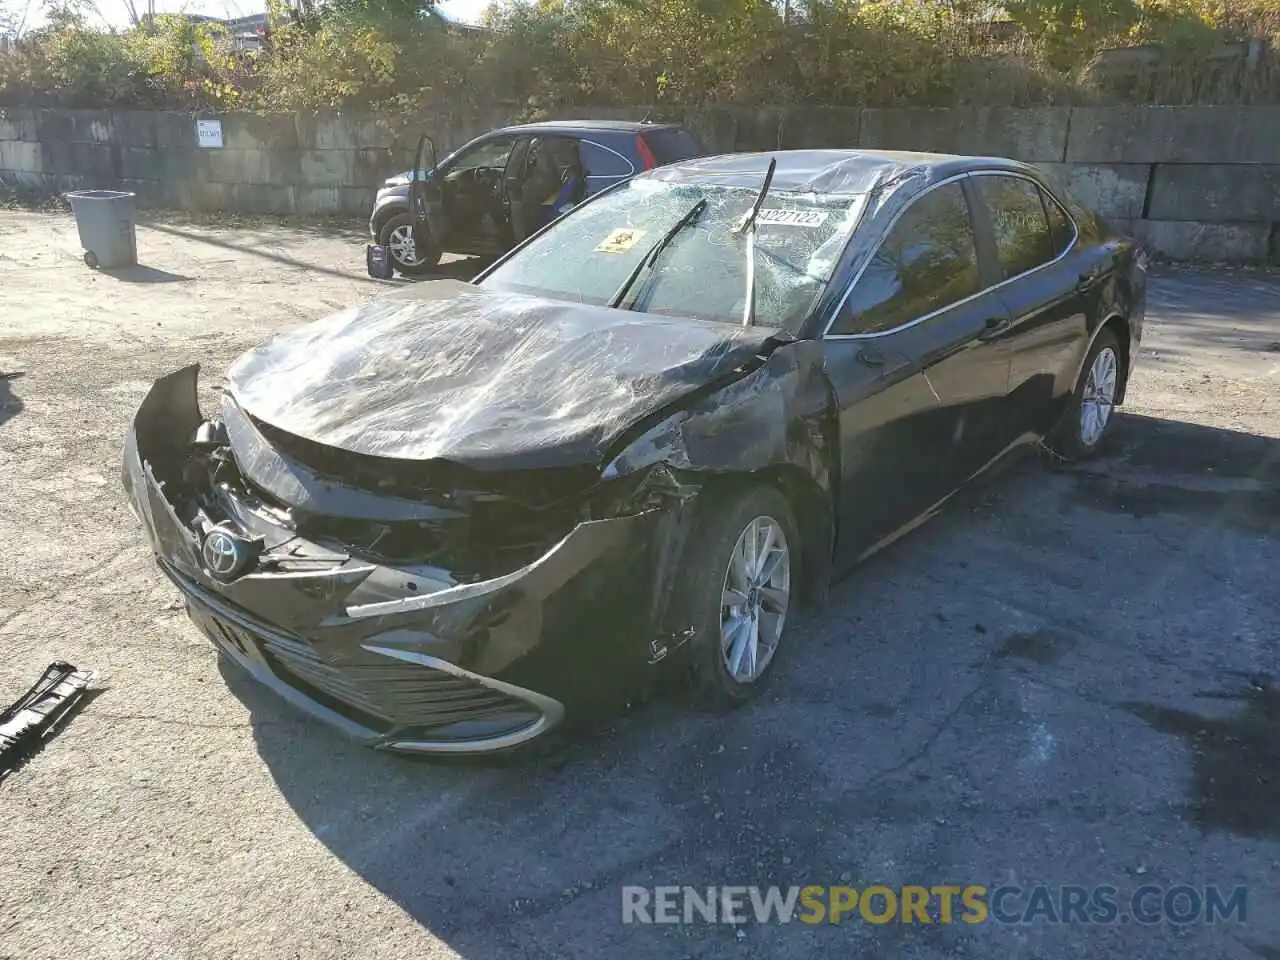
[106,220]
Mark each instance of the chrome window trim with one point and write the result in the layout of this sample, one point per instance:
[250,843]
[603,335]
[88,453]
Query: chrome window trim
[826,331]
[620,156]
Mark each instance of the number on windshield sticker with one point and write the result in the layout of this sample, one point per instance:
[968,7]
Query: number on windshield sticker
[793,218]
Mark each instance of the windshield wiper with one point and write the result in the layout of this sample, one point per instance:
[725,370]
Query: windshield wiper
[650,258]
[749,310]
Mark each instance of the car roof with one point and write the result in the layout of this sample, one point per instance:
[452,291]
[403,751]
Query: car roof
[827,171]
[586,126]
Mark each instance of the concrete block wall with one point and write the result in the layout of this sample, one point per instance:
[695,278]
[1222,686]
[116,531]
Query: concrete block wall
[1198,183]
[272,164]
[1194,183]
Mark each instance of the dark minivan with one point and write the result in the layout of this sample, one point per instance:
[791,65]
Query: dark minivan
[498,189]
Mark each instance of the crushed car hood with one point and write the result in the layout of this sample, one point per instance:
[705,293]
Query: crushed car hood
[485,379]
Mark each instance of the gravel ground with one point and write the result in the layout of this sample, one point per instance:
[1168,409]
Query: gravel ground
[1064,680]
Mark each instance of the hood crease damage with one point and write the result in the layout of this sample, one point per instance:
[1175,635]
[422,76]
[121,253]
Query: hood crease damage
[484,380]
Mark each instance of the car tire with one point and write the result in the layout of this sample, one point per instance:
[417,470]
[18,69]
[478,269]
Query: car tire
[714,568]
[395,234]
[1086,422]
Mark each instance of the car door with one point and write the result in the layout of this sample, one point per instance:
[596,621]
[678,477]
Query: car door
[426,196]
[1042,288]
[471,182]
[916,381]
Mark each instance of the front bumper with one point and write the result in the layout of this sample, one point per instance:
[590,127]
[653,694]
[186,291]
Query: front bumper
[406,658]
[389,202]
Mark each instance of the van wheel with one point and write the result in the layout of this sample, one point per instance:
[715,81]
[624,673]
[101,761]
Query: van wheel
[397,236]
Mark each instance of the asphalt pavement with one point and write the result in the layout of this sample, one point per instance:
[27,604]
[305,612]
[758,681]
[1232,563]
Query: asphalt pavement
[1066,681]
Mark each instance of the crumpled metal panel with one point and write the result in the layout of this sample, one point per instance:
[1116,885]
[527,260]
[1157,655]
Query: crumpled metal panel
[485,379]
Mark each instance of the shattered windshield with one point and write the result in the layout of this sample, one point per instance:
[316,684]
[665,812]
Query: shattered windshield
[702,273]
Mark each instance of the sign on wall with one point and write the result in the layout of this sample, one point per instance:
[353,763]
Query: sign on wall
[209,133]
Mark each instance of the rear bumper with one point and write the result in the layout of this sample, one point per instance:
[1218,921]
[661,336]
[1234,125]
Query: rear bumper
[405,659]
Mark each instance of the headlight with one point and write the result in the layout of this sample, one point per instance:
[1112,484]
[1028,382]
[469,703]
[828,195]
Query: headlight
[661,443]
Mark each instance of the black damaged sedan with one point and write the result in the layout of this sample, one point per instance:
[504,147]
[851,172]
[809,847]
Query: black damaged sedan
[448,518]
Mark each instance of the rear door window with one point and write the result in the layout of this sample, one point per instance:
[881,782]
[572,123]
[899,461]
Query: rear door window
[601,161]
[1018,220]
[926,262]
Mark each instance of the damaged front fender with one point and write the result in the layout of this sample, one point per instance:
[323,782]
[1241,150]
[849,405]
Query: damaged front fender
[779,413]
[777,422]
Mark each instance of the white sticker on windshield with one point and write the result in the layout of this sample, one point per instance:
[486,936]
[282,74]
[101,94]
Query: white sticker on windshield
[793,218]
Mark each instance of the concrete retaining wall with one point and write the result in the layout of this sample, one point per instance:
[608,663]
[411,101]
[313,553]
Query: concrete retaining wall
[275,164]
[1194,182]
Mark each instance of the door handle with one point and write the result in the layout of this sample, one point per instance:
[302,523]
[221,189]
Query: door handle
[994,327]
[871,357]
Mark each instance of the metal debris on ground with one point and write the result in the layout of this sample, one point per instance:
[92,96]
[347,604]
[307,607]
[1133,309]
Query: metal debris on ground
[36,716]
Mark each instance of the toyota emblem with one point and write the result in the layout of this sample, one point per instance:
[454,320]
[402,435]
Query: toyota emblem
[223,554]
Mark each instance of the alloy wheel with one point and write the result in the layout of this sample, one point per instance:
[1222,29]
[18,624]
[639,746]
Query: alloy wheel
[400,242]
[755,597]
[1099,398]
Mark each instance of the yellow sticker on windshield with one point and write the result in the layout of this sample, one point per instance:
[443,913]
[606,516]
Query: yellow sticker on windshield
[620,241]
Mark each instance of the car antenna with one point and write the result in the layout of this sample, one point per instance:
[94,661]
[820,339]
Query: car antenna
[749,224]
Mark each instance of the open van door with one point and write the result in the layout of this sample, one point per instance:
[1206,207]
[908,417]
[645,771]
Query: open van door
[427,199]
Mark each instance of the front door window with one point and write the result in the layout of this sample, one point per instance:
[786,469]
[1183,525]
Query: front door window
[474,191]
[928,260]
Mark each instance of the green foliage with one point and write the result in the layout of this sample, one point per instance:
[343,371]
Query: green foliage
[172,62]
[396,56]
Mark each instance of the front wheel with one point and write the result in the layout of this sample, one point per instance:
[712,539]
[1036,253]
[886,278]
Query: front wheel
[1088,416]
[397,236]
[737,592]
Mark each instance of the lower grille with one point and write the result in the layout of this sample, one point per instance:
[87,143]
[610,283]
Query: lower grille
[397,693]
[377,692]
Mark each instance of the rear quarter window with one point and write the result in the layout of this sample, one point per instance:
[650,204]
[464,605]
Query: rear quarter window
[1091,226]
[601,161]
[1064,231]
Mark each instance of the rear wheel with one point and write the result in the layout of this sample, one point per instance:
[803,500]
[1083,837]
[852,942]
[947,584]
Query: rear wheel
[397,236]
[1087,419]
[737,593]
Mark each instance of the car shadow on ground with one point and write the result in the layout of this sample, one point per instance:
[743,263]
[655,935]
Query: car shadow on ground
[893,740]
[255,251]
[10,402]
[467,268]
[337,227]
